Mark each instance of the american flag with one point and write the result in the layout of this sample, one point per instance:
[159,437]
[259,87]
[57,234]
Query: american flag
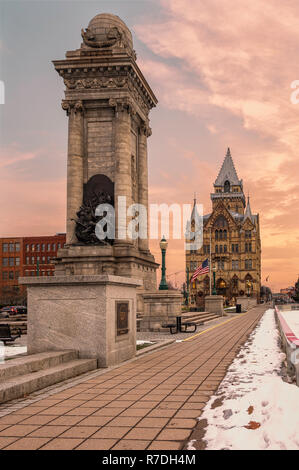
[203,269]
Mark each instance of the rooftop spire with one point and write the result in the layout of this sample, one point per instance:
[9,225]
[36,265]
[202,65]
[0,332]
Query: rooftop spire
[248,213]
[227,172]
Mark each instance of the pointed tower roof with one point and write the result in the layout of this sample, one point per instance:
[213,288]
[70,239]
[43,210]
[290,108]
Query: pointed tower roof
[227,172]
[194,214]
[248,213]
[194,217]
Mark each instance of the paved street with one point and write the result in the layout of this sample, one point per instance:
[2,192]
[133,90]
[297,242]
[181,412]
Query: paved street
[149,403]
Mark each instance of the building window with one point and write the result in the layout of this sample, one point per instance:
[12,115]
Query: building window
[27,248]
[32,259]
[32,247]
[235,265]
[38,247]
[216,249]
[235,248]
[38,259]
[227,186]
[49,247]
[43,260]
[32,273]
[17,261]
[4,275]
[248,264]
[11,247]
[27,260]
[224,248]
[11,261]
[5,247]
[17,275]
[193,265]
[247,233]
[248,247]
[11,276]
[5,261]
[206,249]
[54,247]
[43,247]
[17,246]
[48,260]
[221,264]
[221,222]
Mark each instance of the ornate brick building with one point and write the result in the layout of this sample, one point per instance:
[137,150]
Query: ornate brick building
[230,239]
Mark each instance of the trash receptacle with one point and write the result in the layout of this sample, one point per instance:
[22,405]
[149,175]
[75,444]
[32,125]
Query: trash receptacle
[238,308]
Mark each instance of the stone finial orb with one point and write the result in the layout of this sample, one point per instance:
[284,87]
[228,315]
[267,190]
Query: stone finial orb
[105,31]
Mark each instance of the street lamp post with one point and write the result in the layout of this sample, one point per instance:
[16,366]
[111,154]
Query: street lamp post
[163,245]
[187,282]
[214,292]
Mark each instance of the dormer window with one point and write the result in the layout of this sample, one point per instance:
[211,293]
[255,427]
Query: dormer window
[227,186]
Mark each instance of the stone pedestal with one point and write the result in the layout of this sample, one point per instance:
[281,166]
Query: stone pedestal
[214,304]
[246,302]
[160,307]
[95,315]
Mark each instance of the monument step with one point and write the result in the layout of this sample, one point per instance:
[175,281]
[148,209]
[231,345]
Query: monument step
[200,317]
[34,363]
[23,385]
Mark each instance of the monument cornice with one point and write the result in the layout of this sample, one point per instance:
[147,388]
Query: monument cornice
[100,72]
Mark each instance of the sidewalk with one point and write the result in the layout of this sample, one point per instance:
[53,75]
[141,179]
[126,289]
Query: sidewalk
[149,403]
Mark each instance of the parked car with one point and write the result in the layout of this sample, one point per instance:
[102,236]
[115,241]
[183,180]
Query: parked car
[14,310]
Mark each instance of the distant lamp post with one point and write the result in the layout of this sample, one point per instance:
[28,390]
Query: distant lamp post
[187,282]
[214,292]
[163,245]
[249,287]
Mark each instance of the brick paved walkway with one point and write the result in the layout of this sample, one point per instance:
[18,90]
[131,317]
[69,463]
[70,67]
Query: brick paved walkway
[151,403]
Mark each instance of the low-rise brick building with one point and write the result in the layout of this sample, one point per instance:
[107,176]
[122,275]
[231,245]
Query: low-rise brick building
[25,256]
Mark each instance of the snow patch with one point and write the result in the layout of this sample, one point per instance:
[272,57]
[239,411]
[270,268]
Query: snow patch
[292,319]
[259,410]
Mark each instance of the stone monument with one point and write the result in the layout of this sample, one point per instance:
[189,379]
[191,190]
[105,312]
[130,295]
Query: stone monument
[107,101]
[101,283]
[90,304]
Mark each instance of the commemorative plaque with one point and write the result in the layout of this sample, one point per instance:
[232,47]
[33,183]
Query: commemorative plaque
[122,318]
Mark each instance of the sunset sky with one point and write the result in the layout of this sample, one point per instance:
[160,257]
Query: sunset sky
[222,72]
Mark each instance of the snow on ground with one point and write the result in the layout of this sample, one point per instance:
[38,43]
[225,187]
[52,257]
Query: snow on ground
[10,351]
[140,342]
[292,319]
[260,410]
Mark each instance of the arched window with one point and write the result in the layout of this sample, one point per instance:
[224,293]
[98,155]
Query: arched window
[216,234]
[220,222]
[227,186]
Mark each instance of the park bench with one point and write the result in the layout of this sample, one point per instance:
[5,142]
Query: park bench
[6,336]
[180,327]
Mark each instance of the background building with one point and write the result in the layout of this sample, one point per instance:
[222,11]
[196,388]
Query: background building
[231,240]
[25,256]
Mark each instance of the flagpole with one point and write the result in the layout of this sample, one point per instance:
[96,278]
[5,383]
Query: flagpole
[210,261]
